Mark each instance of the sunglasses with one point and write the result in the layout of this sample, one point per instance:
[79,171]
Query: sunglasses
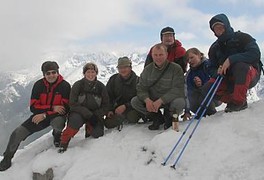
[50,72]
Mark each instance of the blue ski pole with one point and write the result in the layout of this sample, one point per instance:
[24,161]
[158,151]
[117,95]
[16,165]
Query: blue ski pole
[207,104]
[191,121]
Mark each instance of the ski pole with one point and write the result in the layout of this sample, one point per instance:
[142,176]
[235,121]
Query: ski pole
[207,104]
[191,121]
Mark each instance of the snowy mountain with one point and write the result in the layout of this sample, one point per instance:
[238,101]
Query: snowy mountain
[225,146]
[15,87]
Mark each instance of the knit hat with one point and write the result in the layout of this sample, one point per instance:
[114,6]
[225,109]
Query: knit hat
[167,30]
[90,66]
[48,66]
[123,62]
[218,22]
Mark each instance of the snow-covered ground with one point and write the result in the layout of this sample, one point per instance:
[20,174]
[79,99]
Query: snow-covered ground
[225,146]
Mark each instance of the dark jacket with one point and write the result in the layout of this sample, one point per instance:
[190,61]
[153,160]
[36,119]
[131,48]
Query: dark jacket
[88,98]
[175,54]
[237,46]
[45,95]
[169,87]
[121,90]
[201,71]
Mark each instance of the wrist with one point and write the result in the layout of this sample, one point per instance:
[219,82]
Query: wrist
[44,115]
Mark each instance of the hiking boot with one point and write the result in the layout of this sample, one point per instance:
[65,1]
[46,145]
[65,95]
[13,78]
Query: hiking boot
[63,147]
[5,163]
[88,129]
[157,119]
[234,107]
[56,139]
[168,119]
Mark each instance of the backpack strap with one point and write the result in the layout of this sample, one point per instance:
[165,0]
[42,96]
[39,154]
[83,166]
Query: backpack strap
[165,69]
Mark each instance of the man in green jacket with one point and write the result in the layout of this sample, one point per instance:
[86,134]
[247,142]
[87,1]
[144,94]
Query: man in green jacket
[121,88]
[161,85]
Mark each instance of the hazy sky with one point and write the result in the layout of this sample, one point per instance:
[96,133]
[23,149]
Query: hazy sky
[32,30]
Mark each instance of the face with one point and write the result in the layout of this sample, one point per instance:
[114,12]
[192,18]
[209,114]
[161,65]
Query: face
[124,71]
[159,56]
[167,39]
[194,59]
[90,74]
[51,76]
[219,29]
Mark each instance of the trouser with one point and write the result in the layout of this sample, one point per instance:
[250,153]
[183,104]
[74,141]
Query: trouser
[239,78]
[174,107]
[130,115]
[76,121]
[27,128]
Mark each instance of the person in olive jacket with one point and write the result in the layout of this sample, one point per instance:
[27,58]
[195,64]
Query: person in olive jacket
[121,88]
[88,105]
[161,85]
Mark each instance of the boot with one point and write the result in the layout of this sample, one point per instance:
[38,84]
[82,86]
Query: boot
[234,107]
[168,119]
[56,138]
[157,119]
[5,163]
[88,129]
[66,136]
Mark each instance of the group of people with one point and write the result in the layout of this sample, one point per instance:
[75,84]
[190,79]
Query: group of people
[157,96]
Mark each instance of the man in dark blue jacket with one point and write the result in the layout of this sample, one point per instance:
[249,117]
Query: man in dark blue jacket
[236,56]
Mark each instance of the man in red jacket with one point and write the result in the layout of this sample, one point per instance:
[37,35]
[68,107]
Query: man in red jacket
[174,48]
[49,105]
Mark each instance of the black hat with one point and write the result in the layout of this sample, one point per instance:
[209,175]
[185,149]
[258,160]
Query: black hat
[167,30]
[49,65]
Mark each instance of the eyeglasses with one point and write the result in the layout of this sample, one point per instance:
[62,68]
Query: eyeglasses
[50,72]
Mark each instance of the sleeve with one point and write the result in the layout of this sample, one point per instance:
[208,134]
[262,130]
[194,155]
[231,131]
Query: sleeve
[110,91]
[142,86]
[149,59]
[35,103]
[104,105]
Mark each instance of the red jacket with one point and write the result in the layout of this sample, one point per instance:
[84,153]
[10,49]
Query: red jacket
[175,54]
[45,95]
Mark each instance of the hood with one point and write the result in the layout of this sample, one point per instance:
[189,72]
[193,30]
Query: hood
[229,31]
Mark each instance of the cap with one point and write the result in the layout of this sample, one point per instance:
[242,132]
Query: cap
[49,65]
[123,62]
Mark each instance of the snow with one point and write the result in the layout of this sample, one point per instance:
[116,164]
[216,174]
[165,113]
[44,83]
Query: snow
[225,146]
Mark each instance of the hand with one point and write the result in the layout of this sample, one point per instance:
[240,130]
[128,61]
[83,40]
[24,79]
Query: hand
[149,105]
[38,118]
[225,67]
[157,104]
[59,109]
[197,81]
[110,114]
[120,109]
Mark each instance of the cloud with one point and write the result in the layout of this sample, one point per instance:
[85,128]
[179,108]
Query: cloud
[32,30]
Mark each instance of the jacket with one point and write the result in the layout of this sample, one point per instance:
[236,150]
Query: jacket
[169,87]
[88,98]
[237,46]
[45,95]
[175,54]
[121,90]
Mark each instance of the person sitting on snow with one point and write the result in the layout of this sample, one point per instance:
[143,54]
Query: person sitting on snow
[196,79]
[121,89]
[88,105]
[49,105]
[161,85]
[236,56]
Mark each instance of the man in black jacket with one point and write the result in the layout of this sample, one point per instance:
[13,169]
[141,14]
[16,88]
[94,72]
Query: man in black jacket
[49,105]
[121,89]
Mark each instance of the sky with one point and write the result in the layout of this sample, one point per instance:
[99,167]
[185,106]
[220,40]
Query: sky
[225,146]
[32,31]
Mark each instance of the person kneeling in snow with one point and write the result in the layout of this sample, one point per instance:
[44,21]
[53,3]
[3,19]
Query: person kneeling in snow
[88,105]
[161,85]
[49,105]
[236,56]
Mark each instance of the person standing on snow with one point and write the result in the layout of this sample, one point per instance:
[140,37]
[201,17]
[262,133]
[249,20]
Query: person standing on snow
[49,105]
[121,89]
[174,48]
[88,105]
[236,56]
[161,85]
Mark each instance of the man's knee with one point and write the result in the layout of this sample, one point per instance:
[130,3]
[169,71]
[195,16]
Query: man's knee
[177,105]
[138,105]
[75,121]
[58,123]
